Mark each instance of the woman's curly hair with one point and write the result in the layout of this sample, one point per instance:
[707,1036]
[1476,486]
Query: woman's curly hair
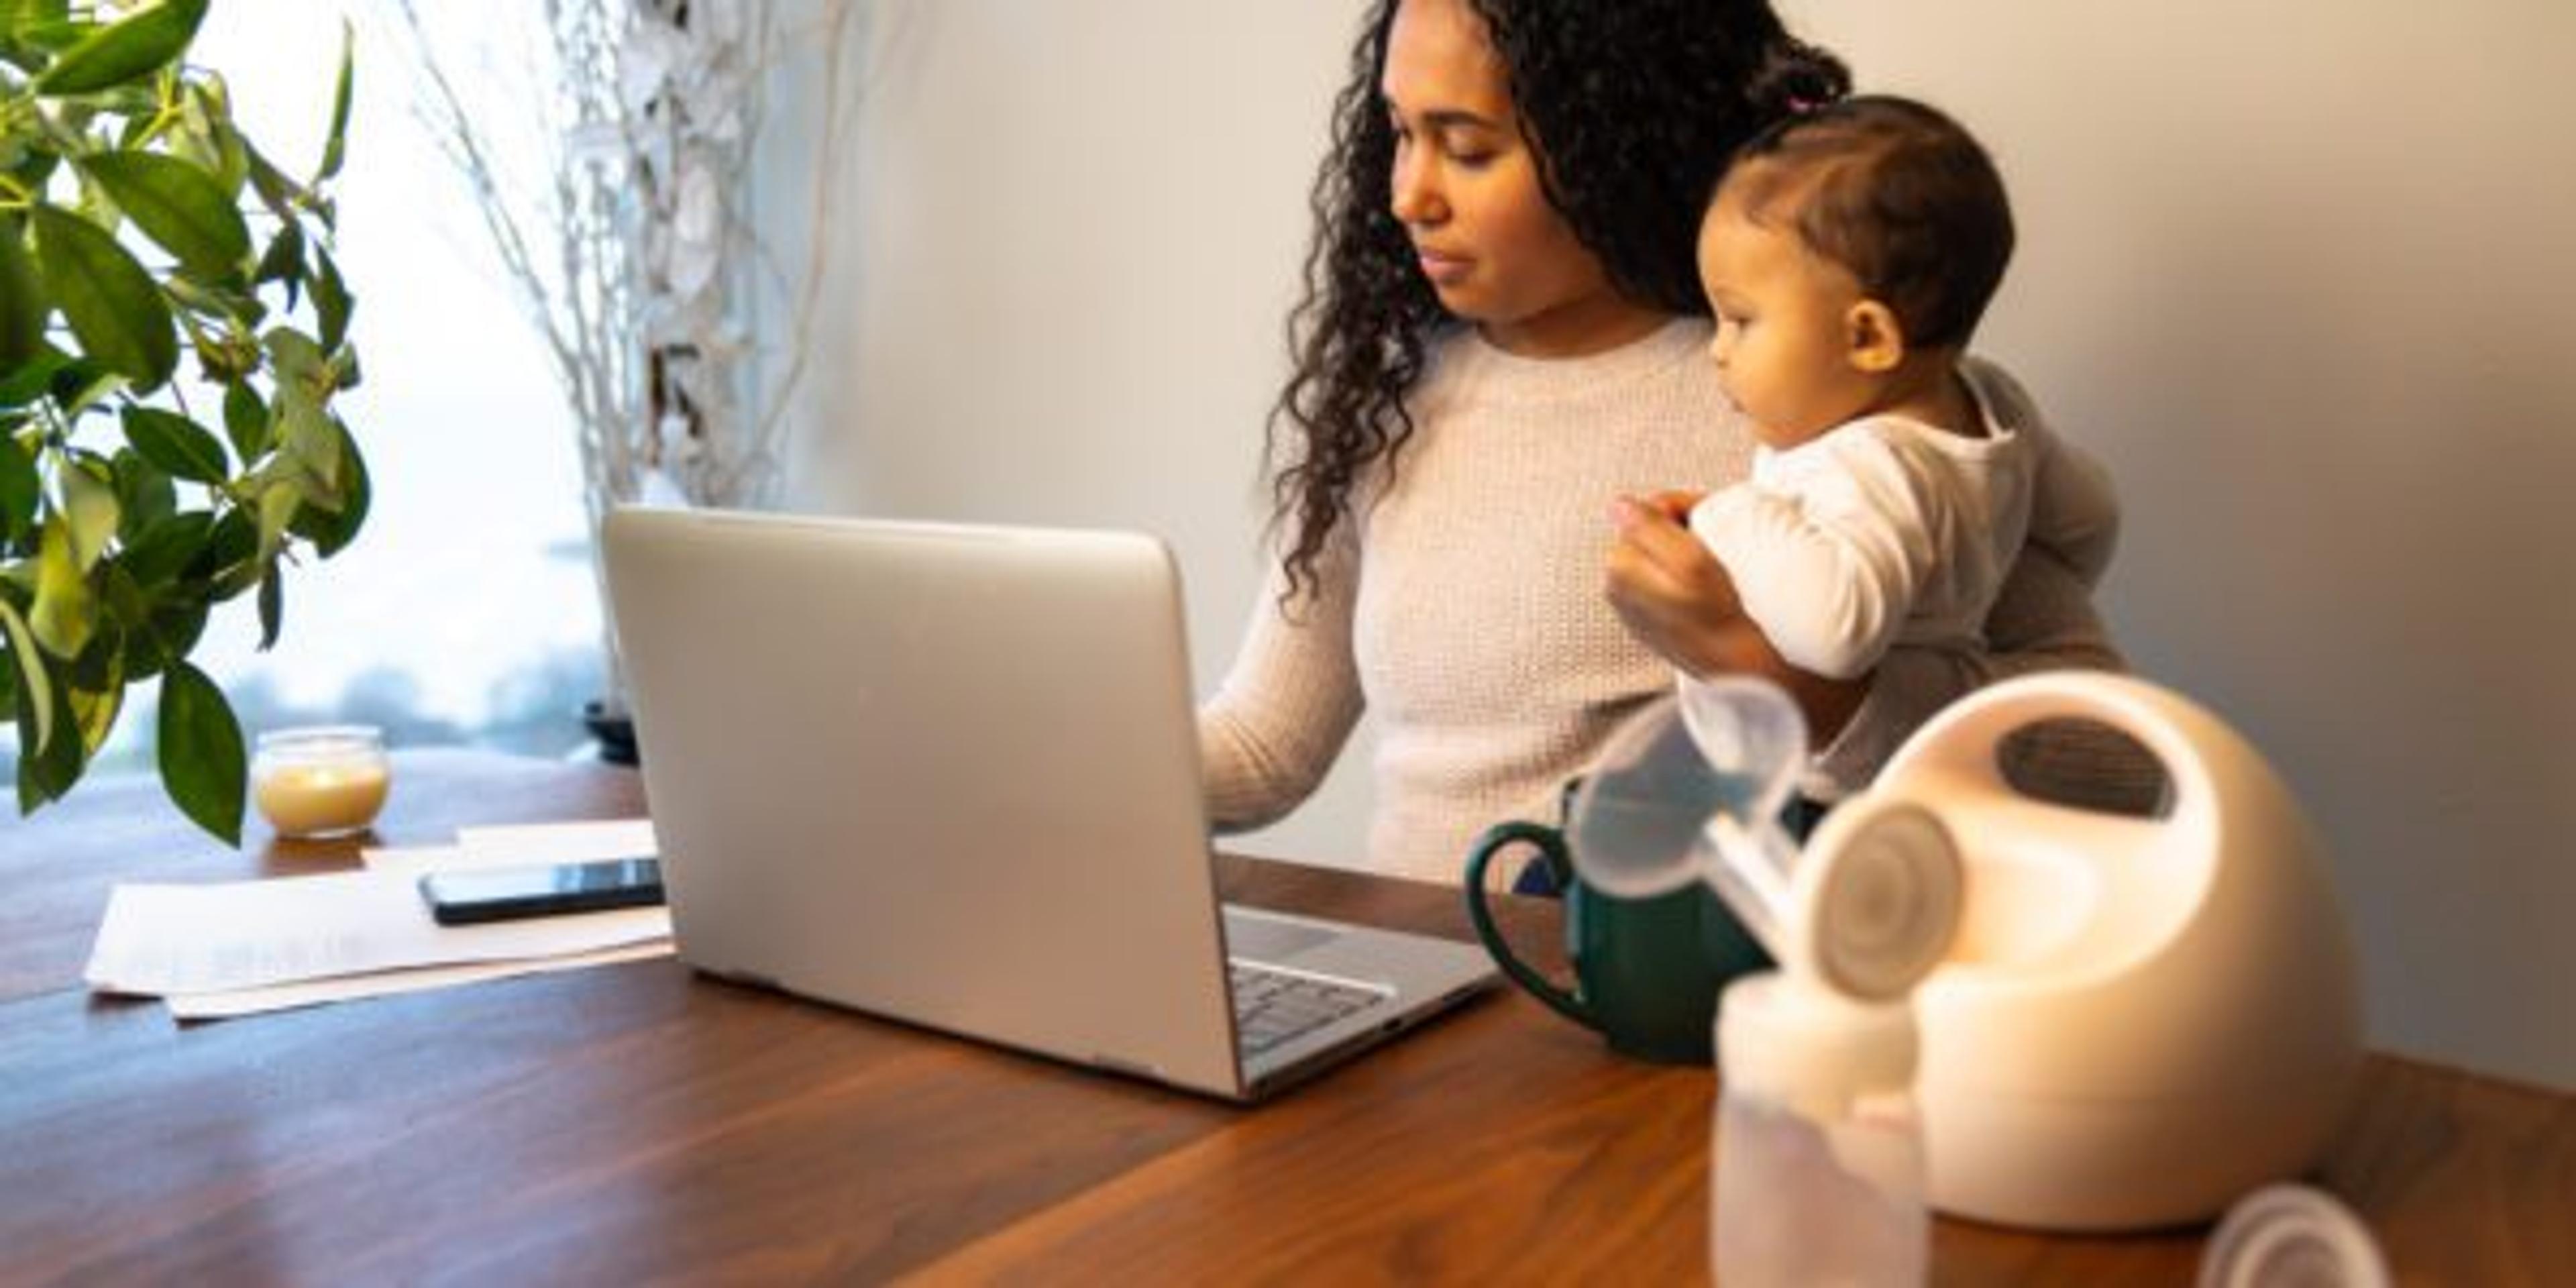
[1632,107]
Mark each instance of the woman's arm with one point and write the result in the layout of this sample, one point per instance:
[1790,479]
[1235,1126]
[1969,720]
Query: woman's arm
[1286,706]
[2043,620]
[2074,510]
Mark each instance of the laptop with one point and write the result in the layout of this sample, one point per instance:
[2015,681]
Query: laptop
[948,775]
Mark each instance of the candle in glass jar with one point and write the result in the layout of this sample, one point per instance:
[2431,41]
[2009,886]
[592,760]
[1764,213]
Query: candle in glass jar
[320,782]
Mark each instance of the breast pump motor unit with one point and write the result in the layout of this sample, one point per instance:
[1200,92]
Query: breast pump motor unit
[2123,1022]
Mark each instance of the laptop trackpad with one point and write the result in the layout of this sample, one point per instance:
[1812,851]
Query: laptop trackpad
[1269,939]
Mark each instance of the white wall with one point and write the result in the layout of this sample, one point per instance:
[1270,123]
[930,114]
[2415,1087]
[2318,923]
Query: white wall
[2302,272]
[1070,239]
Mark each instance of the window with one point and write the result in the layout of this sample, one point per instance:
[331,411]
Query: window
[465,612]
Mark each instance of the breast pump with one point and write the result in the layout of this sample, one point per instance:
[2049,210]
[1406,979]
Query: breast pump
[2105,1022]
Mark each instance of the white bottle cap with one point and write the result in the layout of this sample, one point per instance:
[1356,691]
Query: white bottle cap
[1876,899]
[2292,1236]
[1783,1038]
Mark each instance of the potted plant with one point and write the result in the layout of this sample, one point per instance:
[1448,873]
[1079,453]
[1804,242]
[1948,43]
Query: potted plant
[140,229]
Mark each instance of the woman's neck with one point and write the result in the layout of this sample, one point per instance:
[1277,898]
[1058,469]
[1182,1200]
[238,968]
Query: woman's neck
[1575,330]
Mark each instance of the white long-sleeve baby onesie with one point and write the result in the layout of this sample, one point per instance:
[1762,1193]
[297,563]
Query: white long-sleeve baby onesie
[1887,531]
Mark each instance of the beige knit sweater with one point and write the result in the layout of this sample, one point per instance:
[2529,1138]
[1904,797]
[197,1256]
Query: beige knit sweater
[1466,609]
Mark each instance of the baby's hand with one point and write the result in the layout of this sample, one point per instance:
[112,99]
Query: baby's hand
[1674,504]
[1671,592]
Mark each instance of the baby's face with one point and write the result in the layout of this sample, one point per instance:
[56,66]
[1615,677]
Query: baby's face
[1784,326]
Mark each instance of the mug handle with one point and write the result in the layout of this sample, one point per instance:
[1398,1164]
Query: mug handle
[1550,843]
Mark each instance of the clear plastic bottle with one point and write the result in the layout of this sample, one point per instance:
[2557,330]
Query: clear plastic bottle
[1819,1175]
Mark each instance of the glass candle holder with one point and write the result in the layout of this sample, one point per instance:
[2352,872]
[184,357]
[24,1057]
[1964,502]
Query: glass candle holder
[320,781]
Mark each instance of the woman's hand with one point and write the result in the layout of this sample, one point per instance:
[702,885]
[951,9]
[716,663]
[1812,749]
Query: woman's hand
[1676,598]
[1673,594]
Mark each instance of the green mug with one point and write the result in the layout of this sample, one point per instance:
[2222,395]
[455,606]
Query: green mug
[1646,971]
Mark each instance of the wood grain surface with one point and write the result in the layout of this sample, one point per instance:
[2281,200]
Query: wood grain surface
[636,1123]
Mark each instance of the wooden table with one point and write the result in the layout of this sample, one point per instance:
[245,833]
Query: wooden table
[635,1123]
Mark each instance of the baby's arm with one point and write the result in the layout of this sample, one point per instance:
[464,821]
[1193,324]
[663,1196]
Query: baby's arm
[1670,591]
[1700,589]
[1828,554]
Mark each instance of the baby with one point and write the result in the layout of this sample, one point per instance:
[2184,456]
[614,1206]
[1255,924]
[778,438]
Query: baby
[1847,255]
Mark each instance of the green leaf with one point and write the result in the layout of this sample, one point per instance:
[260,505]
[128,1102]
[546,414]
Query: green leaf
[36,714]
[81,384]
[17,15]
[89,506]
[272,606]
[176,625]
[177,205]
[245,420]
[117,313]
[228,544]
[37,167]
[137,45]
[227,302]
[310,445]
[48,25]
[131,610]
[283,261]
[164,549]
[94,705]
[203,764]
[301,371]
[335,147]
[144,494]
[331,302]
[277,192]
[98,660]
[19,489]
[177,445]
[331,530]
[22,299]
[278,503]
[65,612]
[34,378]
[208,136]
[57,764]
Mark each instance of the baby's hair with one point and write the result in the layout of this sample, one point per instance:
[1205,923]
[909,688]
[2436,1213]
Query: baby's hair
[1895,192]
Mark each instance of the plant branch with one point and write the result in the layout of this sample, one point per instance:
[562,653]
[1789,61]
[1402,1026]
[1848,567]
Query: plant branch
[634,250]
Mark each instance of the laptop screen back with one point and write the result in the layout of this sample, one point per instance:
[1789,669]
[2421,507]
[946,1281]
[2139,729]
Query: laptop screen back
[940,773]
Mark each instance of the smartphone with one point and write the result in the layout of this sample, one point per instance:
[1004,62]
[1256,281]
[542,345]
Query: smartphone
[500,894]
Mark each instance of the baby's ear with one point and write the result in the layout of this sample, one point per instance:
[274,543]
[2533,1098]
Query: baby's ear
[1874,338]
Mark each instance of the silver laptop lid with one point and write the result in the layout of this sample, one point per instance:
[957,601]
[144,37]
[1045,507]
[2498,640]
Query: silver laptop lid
[941,773]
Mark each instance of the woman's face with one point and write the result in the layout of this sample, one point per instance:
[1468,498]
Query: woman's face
[1466,187]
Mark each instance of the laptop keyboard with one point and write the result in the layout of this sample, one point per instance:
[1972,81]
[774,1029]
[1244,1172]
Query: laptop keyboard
[1275,1006]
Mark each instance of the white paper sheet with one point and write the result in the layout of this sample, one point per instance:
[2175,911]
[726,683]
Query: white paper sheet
[343,988]
[213,951]
[161,940]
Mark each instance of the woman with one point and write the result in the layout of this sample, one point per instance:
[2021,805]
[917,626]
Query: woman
[1502,340]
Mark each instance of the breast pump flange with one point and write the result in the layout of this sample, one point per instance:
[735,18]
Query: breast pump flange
[2126,1022]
